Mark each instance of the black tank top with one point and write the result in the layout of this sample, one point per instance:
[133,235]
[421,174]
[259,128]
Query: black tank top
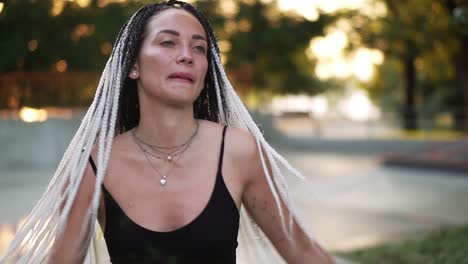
[210,238]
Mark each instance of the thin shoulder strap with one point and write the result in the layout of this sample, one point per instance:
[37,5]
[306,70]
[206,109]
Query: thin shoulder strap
[93,165]
[102,204]
[221,153]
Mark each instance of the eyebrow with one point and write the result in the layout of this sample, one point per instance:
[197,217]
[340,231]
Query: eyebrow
[175,33]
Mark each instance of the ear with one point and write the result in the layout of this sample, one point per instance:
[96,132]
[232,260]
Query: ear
[134,72]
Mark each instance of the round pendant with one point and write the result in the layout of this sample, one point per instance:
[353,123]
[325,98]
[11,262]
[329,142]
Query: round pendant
[169,158]
[163,181]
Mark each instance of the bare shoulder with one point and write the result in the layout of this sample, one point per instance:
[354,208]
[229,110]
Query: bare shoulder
[123,147]
[238,142]
[241,147]
[120,152]
[241,144]
[122,141]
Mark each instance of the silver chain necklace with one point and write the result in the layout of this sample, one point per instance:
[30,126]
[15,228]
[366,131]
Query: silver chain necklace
[170,156]
[163,180]
[176,150]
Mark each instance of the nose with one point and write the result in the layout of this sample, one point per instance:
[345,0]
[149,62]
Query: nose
[185,57]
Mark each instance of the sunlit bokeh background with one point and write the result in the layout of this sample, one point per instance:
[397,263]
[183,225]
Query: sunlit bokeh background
[343,88]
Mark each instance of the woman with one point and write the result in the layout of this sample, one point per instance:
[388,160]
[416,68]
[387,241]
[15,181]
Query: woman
[176,177]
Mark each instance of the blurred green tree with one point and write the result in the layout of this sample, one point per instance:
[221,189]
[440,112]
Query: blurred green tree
[268,48]
[418,42]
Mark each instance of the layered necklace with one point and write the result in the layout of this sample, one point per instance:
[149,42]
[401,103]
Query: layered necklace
[168,154]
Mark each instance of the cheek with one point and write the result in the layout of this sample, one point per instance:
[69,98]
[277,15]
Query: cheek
[203,78]
[204,69]
[154,60]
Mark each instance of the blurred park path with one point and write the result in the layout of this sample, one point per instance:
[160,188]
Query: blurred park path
[352,199]
[351,202]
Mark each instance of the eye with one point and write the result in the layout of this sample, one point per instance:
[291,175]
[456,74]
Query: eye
[167,43]
[200,49]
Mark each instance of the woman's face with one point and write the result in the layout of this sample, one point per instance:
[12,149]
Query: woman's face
[172,62]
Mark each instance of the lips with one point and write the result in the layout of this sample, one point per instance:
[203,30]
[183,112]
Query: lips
[182,76]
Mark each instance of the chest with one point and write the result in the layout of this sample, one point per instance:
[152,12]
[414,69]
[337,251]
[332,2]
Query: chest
[191,183]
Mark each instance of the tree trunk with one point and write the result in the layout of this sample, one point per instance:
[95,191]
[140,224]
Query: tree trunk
[409,111]
[461,111]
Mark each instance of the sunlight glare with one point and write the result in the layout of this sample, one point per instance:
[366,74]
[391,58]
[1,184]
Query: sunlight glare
[6,236]
[57,7]
[324,71]
[319,106]
[229,8]
[311,9]
[83,3]
[224,46]
[358,107]
[329,46]
[282,104]
[335,5]
[32,45]
[377,56]
[61,66]
[306,8]
[364,61]
[103,3]
[374,9]
[341,69]
[29,115]
[337,67]
[362,65]
[333,62]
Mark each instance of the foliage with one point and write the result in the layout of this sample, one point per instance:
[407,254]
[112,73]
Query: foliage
[76,35]
[267,51]
[268,48]
[442,246]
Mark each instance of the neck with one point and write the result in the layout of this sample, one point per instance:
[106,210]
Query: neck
[164,125]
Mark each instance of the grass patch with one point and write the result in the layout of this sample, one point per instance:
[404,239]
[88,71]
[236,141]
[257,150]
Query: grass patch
[434,135]
[448,246]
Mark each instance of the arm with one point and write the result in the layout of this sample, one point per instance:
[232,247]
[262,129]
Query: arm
[69,247]
[259,202]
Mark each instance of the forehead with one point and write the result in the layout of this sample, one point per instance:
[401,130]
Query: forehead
[175,19]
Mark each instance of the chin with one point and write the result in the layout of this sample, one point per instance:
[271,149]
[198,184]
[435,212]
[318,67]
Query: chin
[181,101]
[183,95]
